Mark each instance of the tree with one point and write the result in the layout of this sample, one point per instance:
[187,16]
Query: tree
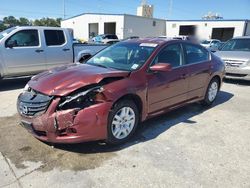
[24,21]
[48,22]
[11,21]
[2,27]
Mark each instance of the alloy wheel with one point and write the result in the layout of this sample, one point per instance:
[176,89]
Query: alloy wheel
[213,90]
[123,122]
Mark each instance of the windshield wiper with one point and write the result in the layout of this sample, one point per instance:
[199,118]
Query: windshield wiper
[99,65]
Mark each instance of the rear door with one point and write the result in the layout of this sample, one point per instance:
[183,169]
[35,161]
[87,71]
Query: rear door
[197,59]
[26,56]
[168,89]
[58,50]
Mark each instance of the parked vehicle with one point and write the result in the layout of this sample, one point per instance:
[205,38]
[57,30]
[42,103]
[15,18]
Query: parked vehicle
[28,50]
[236,55]
[106,39]
[192,39]
[216,47]
[106,97]
[210,43]
[132,37]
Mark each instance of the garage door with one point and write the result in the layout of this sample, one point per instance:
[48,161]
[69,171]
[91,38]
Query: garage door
[223,34]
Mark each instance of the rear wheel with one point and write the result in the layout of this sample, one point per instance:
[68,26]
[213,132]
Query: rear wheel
[122,122]
[212,92]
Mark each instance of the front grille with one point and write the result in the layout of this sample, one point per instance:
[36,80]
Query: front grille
[236,75]
[233,63]
[32,103]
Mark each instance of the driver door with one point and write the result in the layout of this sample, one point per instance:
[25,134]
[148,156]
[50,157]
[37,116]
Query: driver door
[168,89]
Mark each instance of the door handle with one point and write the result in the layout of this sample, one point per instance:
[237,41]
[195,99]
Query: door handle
[39,51]
[66,49]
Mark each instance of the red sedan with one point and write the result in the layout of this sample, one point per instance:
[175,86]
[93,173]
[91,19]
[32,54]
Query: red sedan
[106,97]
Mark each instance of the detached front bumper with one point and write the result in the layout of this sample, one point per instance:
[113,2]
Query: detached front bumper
[240,73]
[69,126]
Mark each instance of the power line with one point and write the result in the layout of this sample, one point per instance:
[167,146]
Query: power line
[170,6]
[30,12]
[64,15]
[70,3]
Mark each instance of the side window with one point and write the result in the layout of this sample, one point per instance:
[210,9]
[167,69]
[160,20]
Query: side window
[195,54]
[171,54]
[24,38]
[54,37]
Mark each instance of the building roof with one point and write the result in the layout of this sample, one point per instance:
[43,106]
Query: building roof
[221,20]
[107,14]
[201,20]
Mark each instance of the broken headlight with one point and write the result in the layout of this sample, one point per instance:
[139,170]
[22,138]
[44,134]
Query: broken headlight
[80,100]
[26,88]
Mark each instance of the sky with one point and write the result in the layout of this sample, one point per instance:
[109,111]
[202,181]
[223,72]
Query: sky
[181,9]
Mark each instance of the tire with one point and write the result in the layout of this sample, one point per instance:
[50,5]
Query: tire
[122,122]
[211,93]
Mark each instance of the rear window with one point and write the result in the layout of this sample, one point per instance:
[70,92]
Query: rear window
[110,37]
[205,42]
[54,37]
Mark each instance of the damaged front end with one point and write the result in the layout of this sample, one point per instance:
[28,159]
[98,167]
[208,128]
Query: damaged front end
[80,99]
[77,117]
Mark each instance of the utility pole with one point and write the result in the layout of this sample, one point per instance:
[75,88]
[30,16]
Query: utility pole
[170,6]
[64,15]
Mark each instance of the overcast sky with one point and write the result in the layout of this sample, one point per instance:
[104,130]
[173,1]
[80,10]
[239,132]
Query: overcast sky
[181,9]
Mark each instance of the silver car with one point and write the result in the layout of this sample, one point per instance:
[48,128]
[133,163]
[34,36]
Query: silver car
[236,55]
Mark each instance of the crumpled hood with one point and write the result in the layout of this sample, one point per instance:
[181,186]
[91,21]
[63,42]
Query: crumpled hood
[61,81]
[233,55]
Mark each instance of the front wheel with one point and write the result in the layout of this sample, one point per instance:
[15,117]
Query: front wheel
[212,92]
[122,122]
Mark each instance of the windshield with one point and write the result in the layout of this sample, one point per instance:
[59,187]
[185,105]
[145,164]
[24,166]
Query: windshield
[237,45]
[123,56]
[6,32]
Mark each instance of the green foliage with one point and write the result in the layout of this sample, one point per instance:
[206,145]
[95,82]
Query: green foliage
[24,21]
[11,21]
[2,27]
[48,22]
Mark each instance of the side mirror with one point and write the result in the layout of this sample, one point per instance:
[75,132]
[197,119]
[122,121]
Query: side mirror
[85,57]
[161,67]
[11,44]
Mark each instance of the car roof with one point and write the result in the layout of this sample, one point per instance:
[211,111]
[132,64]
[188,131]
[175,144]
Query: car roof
[39,27]
[154,40]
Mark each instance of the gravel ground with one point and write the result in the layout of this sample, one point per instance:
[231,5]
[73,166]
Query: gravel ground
[189,147]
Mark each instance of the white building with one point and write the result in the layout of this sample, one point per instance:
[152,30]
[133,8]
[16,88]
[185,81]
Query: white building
[88,25]
[208,29]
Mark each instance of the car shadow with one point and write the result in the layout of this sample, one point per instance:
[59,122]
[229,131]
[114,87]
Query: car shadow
[149,129]
[13,83]
[237,82]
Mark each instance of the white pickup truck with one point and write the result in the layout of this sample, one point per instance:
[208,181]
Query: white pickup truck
[28,50]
